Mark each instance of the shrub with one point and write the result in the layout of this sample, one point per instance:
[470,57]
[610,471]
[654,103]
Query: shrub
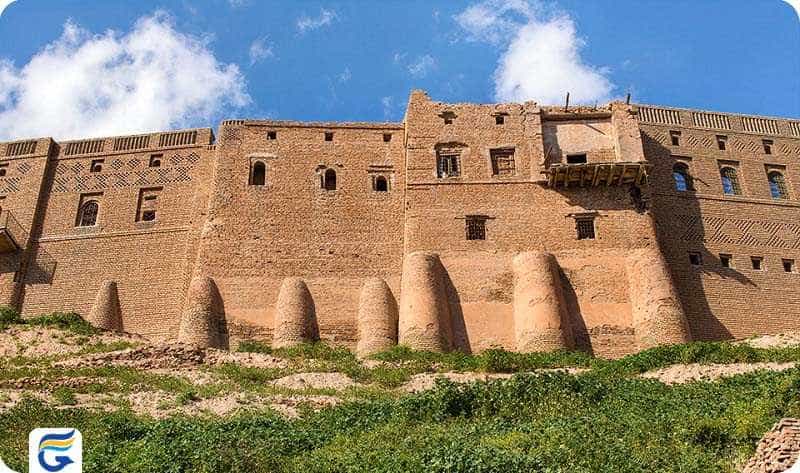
[65,321]
[254,346]
[10,315]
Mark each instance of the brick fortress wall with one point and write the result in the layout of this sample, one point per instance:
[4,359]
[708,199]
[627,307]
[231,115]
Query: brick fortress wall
[464,227]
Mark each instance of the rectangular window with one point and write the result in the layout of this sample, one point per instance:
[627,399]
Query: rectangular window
[3,170]
[584,226]
[155,160]
[726,260]
[675,138]
[272,135]
[695,258]
[328,136]
[502,162]
[97,165]
[448,165]
[722,142]
[448,117]
[757,262]
[788,265]
[476,227]
[767,146]
[387,137]
[576,158]
[148,203]
[499,119]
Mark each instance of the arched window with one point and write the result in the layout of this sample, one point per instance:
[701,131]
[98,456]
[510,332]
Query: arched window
[258,174]
[88,214]
[777,185]
[381,184]
[730,182]
[329,180]
[683,180]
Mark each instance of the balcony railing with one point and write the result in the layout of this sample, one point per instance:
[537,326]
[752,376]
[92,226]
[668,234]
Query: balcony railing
[13,236]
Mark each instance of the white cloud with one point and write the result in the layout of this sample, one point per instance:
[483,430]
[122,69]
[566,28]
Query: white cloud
[540,57]
[4,4]
[422,65]
[151,78]
[259,50]
[345,75]
[796,5]
[325,18]
[388,107]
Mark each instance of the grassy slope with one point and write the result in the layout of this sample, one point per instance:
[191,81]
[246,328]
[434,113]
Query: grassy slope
[603,420]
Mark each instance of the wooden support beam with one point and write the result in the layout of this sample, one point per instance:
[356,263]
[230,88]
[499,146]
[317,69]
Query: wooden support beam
[622,174]
[596,174]
[639,172]
[566,177]
[610,176]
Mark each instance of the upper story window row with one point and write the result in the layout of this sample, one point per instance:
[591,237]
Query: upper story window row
[729,179]
[328,178]
[502,162]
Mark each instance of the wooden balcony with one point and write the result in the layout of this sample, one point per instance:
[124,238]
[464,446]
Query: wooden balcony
[596,174]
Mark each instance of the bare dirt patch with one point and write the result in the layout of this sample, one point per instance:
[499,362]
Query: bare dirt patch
[336,381]
[678,374]
[783,340]
[44,341]
[425,381]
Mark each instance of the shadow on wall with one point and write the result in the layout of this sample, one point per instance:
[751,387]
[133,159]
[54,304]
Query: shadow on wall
[679,231]
[458,325]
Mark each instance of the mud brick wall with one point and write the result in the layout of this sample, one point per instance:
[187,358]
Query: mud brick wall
[258,235]
[147,259]
[738,301]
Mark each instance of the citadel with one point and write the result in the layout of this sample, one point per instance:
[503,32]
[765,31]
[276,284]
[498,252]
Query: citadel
[464,227]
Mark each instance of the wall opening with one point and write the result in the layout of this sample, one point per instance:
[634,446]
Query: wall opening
[584,227]
[788,265]
[475,227]
[777,185]
[380,184]
[757,263]
[726,260]
[155,160]
[148,204]
[87,214]
[682,178]
[328,136]
[97,165]
[695,258]
[767,144]
[730,181]
[579,158]
[258,173]
[329,180]
[722,142]
[502,162]
[675,138]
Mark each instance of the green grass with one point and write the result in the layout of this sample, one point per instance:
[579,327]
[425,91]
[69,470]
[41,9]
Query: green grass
[554,423]
[69,321]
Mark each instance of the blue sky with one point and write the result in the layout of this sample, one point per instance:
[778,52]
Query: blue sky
[175,63]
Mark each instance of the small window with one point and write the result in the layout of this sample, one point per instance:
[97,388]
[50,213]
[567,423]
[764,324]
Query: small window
[448,117]
[682,178]
[87,214]
[148,204]
[272,135]
[726,261]
[502,162]
[329,180]
[675,138]
[499,119]
[380,184]
[3,170]
[476,228]
[767,144]
[788,265]
[258,174]
[387,137]
[97,165]
[585,228]
[757,262]
[328,136]
[448,165]
[777,185]
[730,181]
[155,160]
[722,142]
[576,158]
[695,258]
